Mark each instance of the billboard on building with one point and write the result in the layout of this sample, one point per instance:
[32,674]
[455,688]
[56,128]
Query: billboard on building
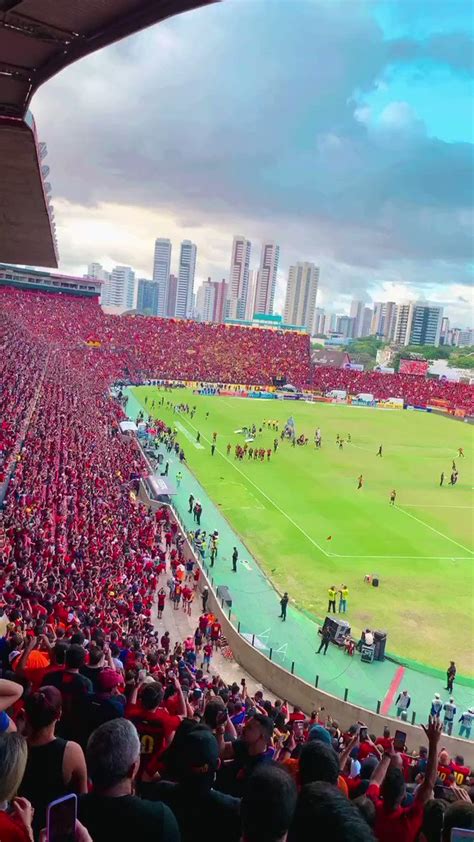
[417,367]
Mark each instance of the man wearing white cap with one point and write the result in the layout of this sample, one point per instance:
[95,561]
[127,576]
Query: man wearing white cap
[402,703]
[466,723]
[449,714]
[436,706]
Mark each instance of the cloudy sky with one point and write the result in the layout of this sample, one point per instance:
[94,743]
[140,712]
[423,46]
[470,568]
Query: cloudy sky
[342,130]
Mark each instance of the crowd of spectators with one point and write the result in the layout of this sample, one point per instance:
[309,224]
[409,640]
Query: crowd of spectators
[140,346]
[416,391]
[21,364]
[155,749]
[93,699]
[166,348]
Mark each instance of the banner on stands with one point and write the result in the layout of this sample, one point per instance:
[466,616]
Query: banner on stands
[392,403]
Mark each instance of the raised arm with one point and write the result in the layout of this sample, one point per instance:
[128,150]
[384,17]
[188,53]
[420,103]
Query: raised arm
[433,732]
[10,692]
[380,771]
[344,755]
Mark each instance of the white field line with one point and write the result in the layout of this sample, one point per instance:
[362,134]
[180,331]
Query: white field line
[446,537]
[409,557]
[188,435]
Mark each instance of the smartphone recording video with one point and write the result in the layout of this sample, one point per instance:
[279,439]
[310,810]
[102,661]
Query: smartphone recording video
[61,819]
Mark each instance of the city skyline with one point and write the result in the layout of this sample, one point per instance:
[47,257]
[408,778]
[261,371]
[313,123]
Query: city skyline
[405,323]
[361,164]
[388,320]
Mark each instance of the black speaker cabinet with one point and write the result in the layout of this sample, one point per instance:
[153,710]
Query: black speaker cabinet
[337,628]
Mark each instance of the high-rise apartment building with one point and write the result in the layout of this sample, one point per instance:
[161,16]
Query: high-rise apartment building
[404,315]
[253,280]
[238,278]
[211,300]
[205,301]
[318,321]
[267,278]
[418,323]
[330,323]
[444,333]
[346,326]
[222,291]
[97,271]
[425,324]
[454,337]
[383,320]
[122,288]
[466,338]
[301,292]
[147,297]
[161,272]
[186,271]
[171,295]
[366,321]
[357,313]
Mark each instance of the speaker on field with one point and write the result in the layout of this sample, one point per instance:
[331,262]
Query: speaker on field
[380,640]
[375,582]
[337,628]
[367,653]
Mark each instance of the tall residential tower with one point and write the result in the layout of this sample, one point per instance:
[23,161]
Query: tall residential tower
[161,272]
[301,292]
[267,278]
[187,268]
[238,278]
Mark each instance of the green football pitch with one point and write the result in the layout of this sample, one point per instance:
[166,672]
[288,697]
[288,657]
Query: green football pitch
[306,523]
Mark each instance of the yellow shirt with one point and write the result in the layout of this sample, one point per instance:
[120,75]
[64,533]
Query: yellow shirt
[344,593]
[332,594]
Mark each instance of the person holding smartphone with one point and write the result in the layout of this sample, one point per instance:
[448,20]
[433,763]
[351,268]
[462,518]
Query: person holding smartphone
[387,790]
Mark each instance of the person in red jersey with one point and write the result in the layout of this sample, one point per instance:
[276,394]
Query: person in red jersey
[154,724]
[386,741]
[215,633]
[161,602]
[394,823]
[206,656]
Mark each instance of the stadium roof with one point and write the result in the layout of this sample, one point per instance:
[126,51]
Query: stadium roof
[38,38]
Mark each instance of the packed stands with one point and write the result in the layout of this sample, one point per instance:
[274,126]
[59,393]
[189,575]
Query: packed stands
[110,708]
[21,364]
[168,348]
[141,347]
[417,391]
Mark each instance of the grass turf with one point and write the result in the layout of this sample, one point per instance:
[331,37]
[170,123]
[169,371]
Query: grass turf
[286,509]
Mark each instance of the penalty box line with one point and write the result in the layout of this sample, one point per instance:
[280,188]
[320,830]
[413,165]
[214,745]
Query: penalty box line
[441,534]
[275,505]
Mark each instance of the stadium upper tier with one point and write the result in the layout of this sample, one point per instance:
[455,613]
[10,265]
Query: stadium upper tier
[147,347]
